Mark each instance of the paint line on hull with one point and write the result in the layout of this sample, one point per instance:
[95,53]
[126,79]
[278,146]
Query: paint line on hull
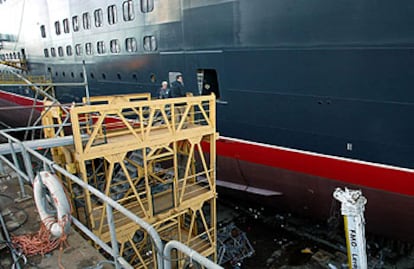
[19,99]
[372,175]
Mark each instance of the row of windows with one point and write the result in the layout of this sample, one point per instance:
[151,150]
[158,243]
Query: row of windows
[104,76]
[98,15]
[10,56]
[149,44]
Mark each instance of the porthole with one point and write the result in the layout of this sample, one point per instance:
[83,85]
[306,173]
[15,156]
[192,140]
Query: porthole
[72,74]
[119,76]
[153,78]
[103,76]
[92,75]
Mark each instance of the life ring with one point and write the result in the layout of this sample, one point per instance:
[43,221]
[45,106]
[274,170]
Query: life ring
[60,225]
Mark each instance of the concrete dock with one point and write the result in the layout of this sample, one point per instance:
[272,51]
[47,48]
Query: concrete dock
[23,218]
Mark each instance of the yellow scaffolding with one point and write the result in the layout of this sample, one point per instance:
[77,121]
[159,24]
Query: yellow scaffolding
[15,63]
[157,159]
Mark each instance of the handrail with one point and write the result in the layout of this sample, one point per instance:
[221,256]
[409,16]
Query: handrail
[144,225]
[173,244]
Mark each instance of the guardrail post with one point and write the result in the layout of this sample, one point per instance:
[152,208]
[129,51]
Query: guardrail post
[22,193]
[27,162]
[114,243]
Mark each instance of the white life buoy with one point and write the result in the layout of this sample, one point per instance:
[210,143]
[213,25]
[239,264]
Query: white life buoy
[57,222]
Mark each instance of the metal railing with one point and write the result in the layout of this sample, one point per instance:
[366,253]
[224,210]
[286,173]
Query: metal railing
[162,254]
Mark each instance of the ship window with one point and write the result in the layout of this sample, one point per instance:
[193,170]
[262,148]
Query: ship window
[69,50]
[66,26]
[100,47]
[78,49]
[112,16]
[131,44]
[88,48]
[115,48]
[57,27]
[119,76]
[98,17]
[128,9]
[46,52]
[75,23]
[150,43]
[72,74]
[86,19]
[60,51]
[53,52]
[43,31]
[147,6]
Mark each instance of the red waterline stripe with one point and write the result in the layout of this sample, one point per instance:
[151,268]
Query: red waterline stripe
[354,172]
[19,100]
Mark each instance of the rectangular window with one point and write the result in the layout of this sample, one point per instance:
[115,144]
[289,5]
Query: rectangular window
[69,50]
[88,48]
[98,13]
[147,6]
[131,44]
[75,23]
[112,16]
[57,27]
[53,52]
[46,52]
[60,51]
[150,43]
[115,48]
[78,49]
[86,19]
[66,26]
[43,31]
[100,47]
[128,10]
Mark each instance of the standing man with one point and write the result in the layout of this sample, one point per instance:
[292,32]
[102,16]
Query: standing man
[163,92]
[177,87]
[178,90]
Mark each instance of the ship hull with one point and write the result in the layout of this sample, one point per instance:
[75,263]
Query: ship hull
[282,171]
[17,110]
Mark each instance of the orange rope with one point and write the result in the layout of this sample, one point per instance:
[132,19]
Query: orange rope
[41,243]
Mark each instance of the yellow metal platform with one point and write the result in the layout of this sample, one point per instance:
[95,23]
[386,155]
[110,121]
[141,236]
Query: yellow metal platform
[154,157]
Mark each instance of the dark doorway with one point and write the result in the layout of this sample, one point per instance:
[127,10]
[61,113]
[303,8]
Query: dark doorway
[208,82]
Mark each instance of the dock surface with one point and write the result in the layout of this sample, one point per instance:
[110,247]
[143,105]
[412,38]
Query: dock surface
[23,218]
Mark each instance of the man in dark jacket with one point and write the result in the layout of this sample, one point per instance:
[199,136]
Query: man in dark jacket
[177,87]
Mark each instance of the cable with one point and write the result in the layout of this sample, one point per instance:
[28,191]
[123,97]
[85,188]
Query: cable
[99,265]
